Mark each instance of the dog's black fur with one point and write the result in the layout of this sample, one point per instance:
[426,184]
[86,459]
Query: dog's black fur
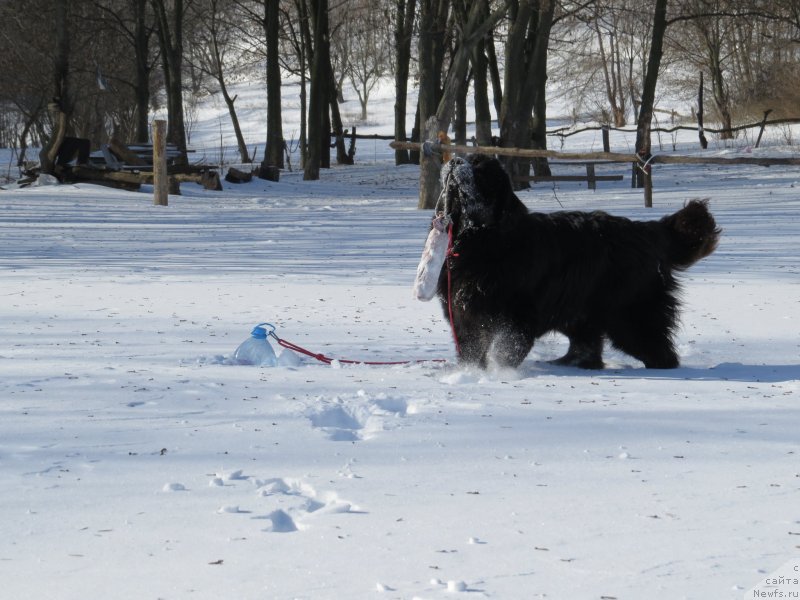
[515,275]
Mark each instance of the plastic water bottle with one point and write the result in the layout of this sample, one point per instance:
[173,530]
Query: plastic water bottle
[256,350]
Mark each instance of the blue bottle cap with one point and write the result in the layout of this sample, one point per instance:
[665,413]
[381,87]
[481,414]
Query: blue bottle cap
[259,332]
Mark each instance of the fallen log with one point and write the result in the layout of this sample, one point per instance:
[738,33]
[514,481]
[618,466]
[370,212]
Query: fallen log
[237,176]
[209,179]
[118,179]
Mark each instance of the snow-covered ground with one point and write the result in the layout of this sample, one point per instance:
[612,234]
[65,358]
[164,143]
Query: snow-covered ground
[137,462]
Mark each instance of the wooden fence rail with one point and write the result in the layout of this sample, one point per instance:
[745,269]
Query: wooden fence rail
[568,131]
[440,148]
[607,156]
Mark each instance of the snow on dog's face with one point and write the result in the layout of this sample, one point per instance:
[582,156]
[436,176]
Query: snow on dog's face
[477,192]
[458,190]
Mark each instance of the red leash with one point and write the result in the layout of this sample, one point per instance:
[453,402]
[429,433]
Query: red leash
[328,360]
[451,254]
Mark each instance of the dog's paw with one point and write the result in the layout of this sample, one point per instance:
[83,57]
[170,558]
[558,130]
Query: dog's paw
[593,363]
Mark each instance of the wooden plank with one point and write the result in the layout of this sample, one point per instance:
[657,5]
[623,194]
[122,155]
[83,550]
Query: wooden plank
[608,156]
[125,154]
[520,152]
[540,178]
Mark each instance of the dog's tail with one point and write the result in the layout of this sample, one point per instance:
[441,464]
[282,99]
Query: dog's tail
[693,233]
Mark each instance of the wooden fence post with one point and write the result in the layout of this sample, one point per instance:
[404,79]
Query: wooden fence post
[591,178]
[647,175]
[160,176]
[763,125]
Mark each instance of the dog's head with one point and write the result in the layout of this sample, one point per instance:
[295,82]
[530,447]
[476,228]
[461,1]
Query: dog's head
[476,192]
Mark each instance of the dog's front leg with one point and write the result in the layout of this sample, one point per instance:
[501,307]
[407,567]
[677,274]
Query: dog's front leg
[510,346]
[474,339]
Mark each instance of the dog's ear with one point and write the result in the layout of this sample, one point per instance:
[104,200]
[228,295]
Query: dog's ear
[494,186]
[458,188]
[490,177]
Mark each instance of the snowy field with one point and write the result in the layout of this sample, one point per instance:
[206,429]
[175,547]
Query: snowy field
[136,462]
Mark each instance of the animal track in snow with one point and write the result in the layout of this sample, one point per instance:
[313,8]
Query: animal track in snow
[281,522]
[359,417]
[296,503]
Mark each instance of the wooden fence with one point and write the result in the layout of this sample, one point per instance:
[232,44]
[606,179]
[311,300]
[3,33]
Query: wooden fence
[565,132]
[633,159]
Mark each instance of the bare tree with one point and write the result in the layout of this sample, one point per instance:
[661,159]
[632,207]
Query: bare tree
[480,72]
[711,33]
[213,43]
[367,33]
[321,75]
[26,69]
[645,118]
[169,17]
[296,57]
[474,29]
[132,22]
[260,26]
[746,48]
[525,79]
[403,30]
[61,104]
[607,29]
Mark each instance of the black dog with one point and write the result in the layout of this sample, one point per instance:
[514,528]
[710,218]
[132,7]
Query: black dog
[512,276]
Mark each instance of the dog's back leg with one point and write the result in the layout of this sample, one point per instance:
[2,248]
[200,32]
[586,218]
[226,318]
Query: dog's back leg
[585,349]
[646,333]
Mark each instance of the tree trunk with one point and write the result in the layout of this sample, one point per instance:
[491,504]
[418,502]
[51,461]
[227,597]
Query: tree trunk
[720,93]
[525,79]
[472,31]
[306,51]
[318,128]
[303,112]
[170,35]
[539,78]
[273,154]
[480,66]
[712,37]
[645,117]
[30,119]
[61,107]
[244,154]
[416,130]
[494,72]
[608,60]
[460,113]
[483,114]
[700,111]
[402,39]
[218,70]
[431,28]
[141,49]
[620,117]
[428,99]
[342,157]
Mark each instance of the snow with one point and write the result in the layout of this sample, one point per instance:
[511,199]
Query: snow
[138,462]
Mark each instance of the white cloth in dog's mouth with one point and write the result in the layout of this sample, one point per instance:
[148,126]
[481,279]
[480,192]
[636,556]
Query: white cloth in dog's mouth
[432,260]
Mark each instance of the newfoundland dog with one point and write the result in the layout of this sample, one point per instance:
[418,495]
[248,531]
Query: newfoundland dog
[506,276]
